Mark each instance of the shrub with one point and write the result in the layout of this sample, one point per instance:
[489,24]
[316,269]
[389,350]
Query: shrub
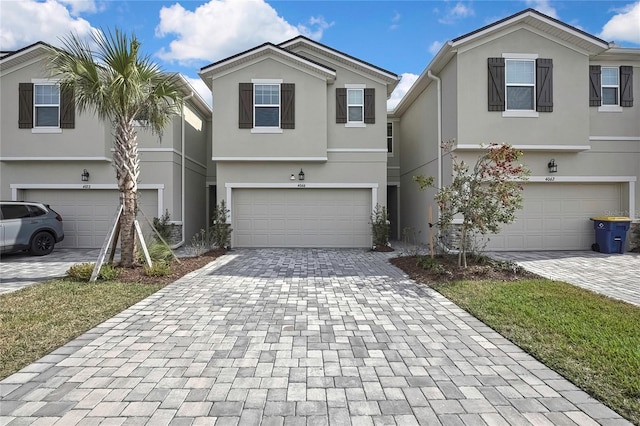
[163,226]
[158,252]
[431,264]
[220,229]
[83,271]
[380,226]
[201,243]
[158,269]
[109,272]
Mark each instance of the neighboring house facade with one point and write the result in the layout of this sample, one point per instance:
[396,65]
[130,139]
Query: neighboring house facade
[46,146]
[299,144]
[560,95]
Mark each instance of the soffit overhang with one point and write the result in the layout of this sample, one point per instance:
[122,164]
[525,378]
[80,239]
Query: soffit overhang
[25,56]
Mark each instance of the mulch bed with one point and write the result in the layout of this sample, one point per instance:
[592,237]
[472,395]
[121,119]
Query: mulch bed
[178,269]
[477,269]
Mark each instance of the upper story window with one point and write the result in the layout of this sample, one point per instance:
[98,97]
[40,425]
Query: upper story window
[390,138]
[47,105]
[520,85]
[266,106]
[611,88]
[355,105]
[44,108]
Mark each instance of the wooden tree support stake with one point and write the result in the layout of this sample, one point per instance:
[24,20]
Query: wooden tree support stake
[107,242]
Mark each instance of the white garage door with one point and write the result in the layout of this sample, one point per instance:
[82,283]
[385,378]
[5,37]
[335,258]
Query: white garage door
[301,217]
[556,216]
[87,214]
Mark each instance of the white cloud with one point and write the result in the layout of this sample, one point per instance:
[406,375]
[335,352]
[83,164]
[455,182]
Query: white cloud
[457,12]
[435,47]
[624,26]
[543,6]
[201,88]
[315,33]
[221,28]
[47,21]
[406,81]
[395,21]
[80,6]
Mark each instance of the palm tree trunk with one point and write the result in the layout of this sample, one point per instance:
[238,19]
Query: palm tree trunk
[127,164]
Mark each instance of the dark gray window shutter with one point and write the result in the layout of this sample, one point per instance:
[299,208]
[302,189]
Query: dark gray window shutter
[341,105]
[370,106]
[595,98]
[245,115]
[67,109]
[496,84]
[626,86]
[288,111]
[25,106]
[544,85]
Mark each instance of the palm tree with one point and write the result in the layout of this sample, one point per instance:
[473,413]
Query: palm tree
[120,86]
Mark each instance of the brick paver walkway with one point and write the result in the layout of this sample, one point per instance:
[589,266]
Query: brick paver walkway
[614,275]
[294,337]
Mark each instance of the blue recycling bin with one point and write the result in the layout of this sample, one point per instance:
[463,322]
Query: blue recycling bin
[611,233]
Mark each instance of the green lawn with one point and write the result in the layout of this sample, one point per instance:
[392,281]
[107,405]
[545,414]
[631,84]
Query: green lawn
[592,340]
[40,318]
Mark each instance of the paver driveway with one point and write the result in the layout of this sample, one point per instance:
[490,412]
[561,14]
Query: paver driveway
[294,337]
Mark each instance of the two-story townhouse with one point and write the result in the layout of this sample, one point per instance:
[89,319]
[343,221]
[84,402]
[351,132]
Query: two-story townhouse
[52,154]
[299,144]
[562,96]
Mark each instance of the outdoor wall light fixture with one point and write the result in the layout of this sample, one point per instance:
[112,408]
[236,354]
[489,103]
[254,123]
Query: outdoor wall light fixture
[301,175]
[85,175]
[293,177]
[553,167]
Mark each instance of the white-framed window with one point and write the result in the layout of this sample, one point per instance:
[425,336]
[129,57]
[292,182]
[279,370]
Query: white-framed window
[46,105]
[520,84]
[266,105]
[390,138]
[610,86]
[355,105]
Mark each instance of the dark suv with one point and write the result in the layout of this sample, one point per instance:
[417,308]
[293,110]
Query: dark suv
[29,226]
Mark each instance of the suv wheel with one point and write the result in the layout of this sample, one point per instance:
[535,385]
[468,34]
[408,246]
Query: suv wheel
[42,243]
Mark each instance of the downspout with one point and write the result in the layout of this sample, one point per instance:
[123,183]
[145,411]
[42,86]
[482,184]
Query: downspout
[439,148]
[439,91]
[182,173]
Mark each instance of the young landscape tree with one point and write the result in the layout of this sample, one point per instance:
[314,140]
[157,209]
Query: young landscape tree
[485,197]
[122,86]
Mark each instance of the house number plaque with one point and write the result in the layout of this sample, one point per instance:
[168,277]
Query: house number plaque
[301,185]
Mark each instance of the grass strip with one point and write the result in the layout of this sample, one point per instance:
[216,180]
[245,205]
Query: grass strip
[592,340]
[40,318]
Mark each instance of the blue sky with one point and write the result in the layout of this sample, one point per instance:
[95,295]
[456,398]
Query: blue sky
[400,36]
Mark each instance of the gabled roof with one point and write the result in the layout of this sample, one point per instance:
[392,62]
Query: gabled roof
[544,23]
[26,54]
[531,18]
[351,61]
[263,50]
[36,50]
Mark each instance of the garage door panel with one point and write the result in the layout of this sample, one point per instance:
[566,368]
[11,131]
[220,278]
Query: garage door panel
[301,218]
[555,216]
[87,214]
